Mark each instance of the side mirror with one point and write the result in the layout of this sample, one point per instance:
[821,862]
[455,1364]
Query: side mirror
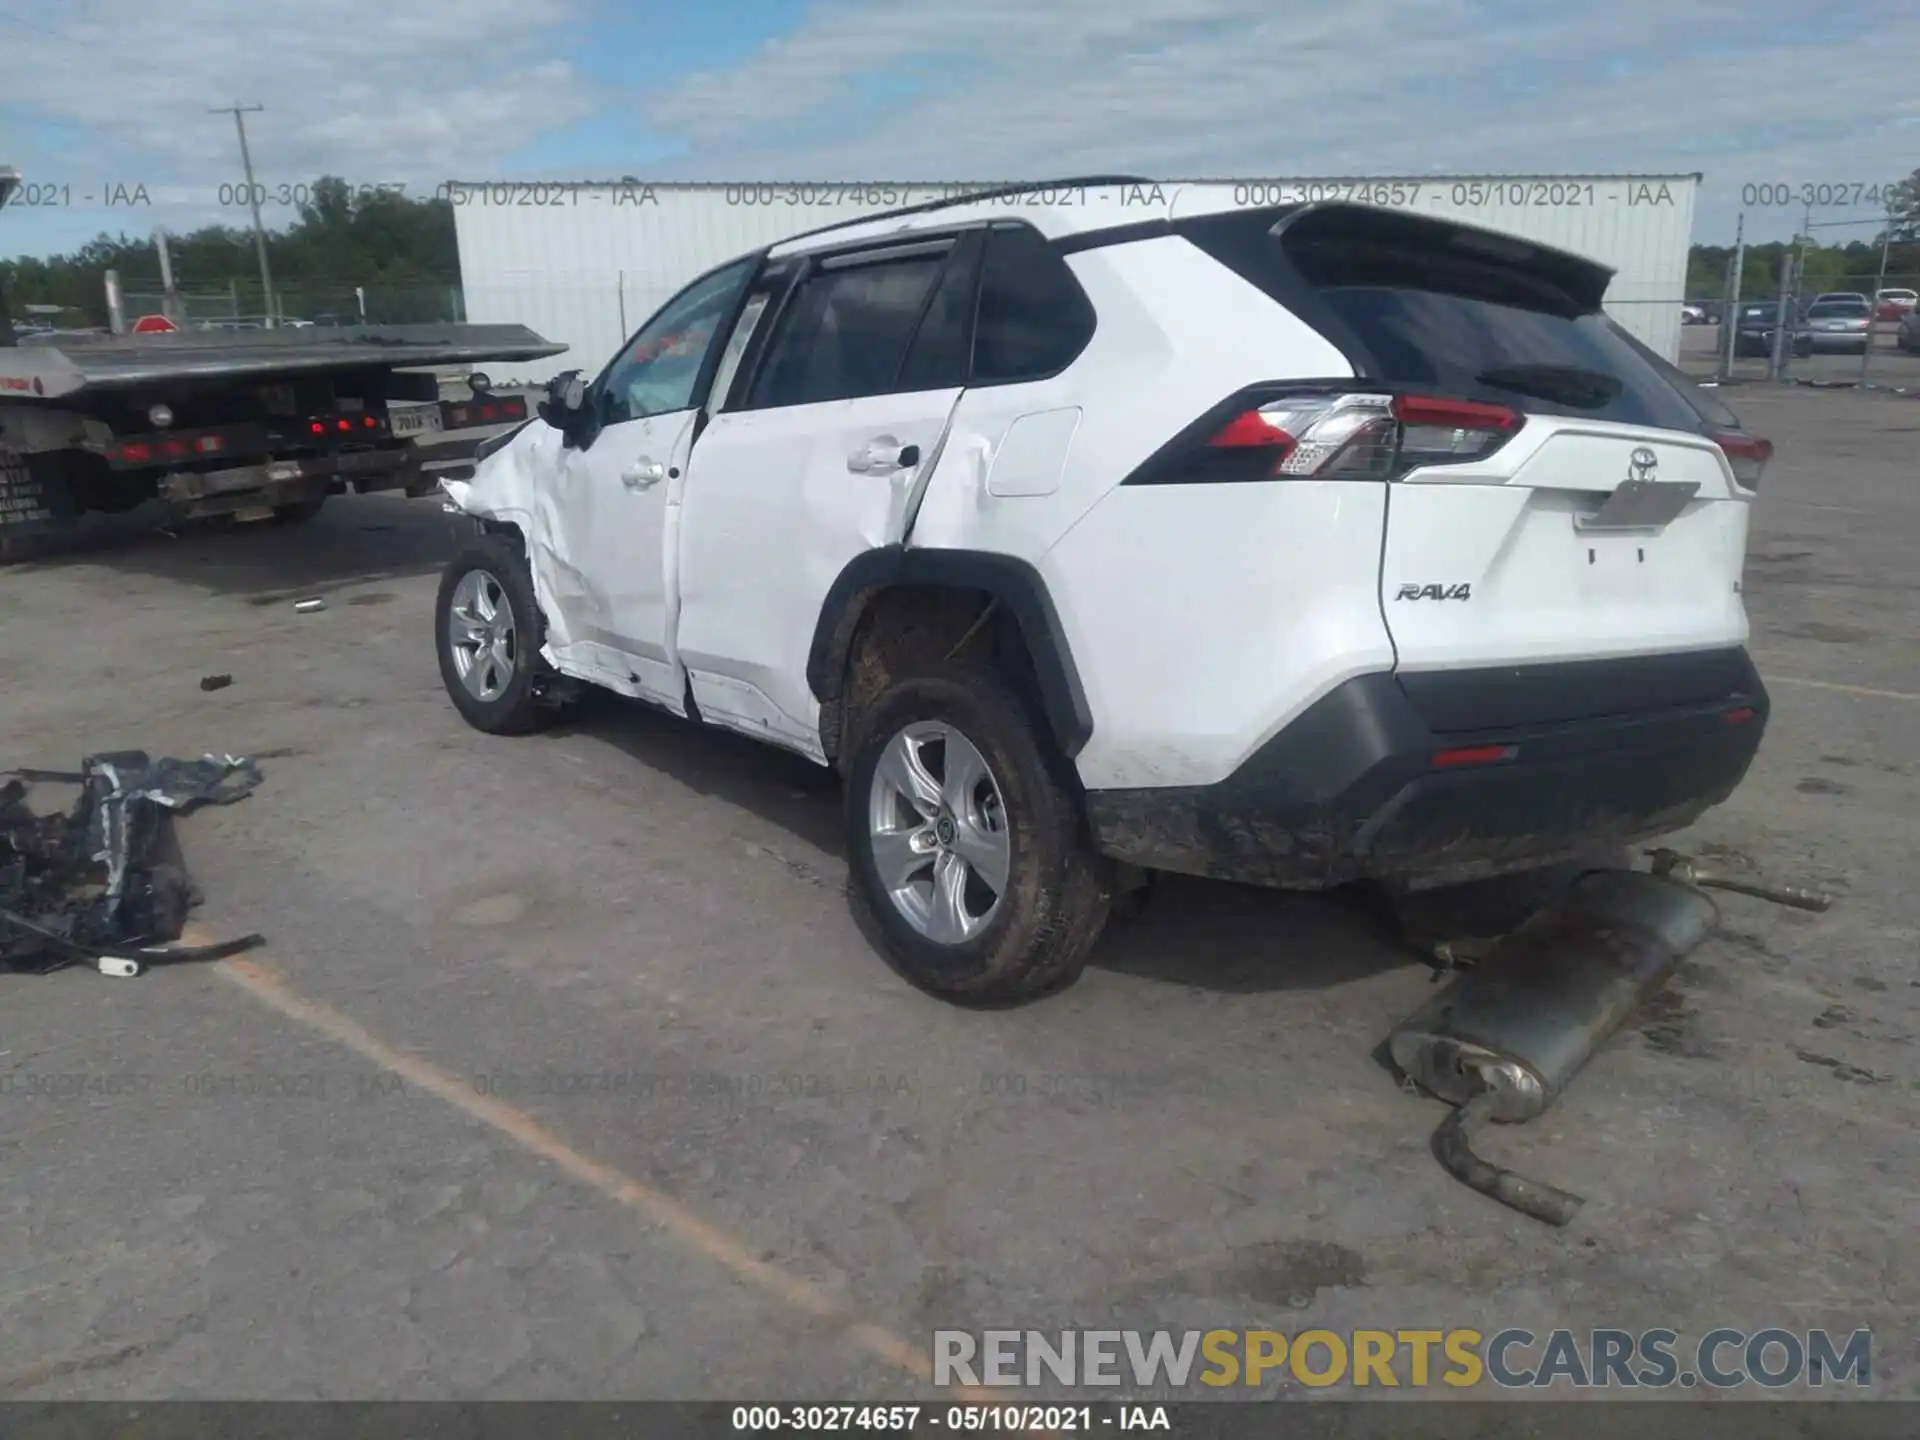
[567,392]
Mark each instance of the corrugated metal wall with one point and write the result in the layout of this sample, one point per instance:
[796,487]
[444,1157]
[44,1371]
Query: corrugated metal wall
[586,264]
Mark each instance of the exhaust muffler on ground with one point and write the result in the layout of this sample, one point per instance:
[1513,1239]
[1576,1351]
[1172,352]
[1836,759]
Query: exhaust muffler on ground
[1503,1040]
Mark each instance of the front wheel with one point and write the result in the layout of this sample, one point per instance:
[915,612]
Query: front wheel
[488,633]
[966,842]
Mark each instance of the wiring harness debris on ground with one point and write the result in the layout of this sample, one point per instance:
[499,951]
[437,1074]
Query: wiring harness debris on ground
[104,883]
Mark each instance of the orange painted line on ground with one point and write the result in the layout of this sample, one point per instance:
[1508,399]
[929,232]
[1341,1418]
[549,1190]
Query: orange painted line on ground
[1843,689]
[536,1139]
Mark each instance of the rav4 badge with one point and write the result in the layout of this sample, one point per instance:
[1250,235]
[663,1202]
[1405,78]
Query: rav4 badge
[1435,592]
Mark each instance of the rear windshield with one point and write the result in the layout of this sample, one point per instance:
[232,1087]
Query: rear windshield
[1829,309]
[1413,307]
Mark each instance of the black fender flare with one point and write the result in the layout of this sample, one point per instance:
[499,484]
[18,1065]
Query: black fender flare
[1016,584]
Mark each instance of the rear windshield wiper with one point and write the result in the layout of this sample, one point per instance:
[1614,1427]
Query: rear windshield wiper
[1562,384]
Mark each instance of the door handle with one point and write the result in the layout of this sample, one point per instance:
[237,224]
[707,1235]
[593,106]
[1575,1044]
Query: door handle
[883,456]
[642,474]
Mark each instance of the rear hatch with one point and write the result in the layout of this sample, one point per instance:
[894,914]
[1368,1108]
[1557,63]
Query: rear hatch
[1557,492]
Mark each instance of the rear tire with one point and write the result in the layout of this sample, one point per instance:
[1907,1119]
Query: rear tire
[992,801]
[488,632]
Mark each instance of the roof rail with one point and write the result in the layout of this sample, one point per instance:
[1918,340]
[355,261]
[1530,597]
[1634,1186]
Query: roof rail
[992,192]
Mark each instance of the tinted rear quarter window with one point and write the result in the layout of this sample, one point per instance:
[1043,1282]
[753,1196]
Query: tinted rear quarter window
[1414,307]
[1033,317]
[845,333]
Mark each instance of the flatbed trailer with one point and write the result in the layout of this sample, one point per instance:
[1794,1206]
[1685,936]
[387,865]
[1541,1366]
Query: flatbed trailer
[253,424]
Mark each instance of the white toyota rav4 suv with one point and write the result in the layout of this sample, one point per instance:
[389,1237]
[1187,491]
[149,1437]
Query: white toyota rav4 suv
[1298,546]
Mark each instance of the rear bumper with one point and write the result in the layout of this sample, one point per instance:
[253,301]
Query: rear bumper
[1835,340]
[1603,753]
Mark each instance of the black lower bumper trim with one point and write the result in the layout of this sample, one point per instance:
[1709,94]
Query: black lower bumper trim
[1351,791]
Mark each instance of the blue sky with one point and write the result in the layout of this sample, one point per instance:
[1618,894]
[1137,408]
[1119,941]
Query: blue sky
[1750,92]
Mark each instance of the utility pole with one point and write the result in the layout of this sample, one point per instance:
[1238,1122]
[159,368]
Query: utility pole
[1784,327]
[169,297]
[1730,310]
[239,113]
[1873,302]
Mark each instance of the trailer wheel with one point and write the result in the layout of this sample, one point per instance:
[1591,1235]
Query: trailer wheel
[299,511]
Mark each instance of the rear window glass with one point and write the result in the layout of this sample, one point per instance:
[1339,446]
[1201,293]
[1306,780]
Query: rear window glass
[1575,365]
[1828,309]
[1490,320]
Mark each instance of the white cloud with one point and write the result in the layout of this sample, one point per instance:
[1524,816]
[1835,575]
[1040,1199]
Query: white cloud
[381,91]
[1254,87]
[376,91]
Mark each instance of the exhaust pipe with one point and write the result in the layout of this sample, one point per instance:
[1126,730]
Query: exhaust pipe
[1503,1041]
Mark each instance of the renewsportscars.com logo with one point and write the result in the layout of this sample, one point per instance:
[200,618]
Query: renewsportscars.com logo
[1509,1359]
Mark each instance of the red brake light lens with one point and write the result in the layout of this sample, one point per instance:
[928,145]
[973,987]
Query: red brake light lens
[1747,454]
[136,452]
[1474,755]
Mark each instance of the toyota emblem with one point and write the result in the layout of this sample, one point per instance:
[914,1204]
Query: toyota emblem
[1645,462]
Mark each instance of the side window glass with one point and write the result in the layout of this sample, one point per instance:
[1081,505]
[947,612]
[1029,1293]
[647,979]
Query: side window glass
[658,370]
[1034,318]
[937,358]
[845,333]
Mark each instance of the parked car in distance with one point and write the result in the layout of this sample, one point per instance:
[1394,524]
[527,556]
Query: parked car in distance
[1841,323]
[1894,304]
[1908,336]
[1694,313]
[1753,330]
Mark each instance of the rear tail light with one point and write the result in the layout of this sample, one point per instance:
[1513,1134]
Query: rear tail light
[1338,435]
[1747,454]
[136,452]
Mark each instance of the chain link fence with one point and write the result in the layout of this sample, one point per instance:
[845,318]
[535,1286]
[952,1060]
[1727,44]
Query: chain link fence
[337,303]
[1762,329]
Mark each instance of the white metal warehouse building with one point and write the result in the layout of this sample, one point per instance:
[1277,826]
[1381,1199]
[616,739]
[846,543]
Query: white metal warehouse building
[585,263]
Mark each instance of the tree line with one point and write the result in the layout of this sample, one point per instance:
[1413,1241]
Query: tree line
[400,251]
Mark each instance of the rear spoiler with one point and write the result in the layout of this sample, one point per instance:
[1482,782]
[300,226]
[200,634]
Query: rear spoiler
[1335,242]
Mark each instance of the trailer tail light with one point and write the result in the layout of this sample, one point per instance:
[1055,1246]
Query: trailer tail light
[371,423]
[317,428]
[1473,755]
[1746,454]
[1336,435]
[343,423]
